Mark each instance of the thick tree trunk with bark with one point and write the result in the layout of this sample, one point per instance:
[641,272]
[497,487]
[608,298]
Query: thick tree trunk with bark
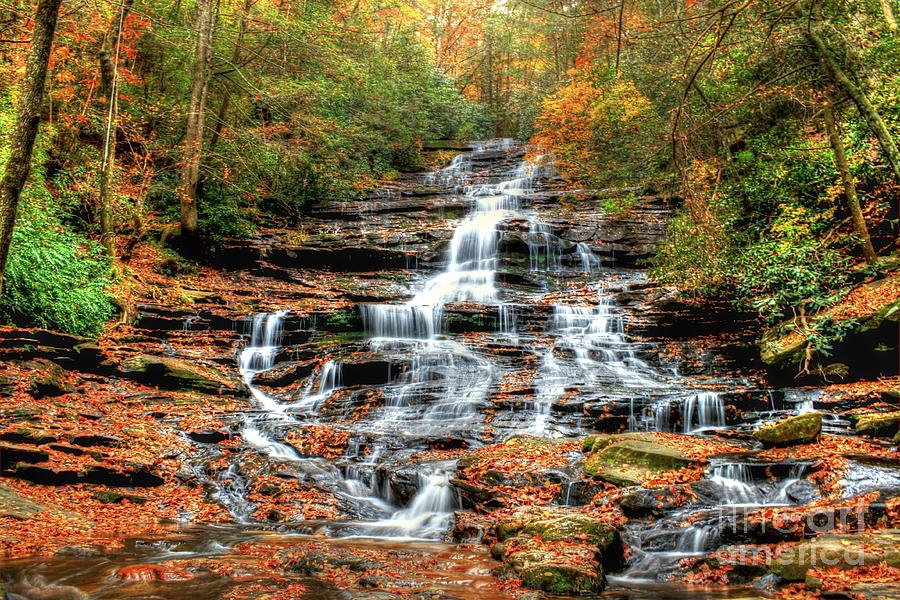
[840,160]
[27,120]
[205,20]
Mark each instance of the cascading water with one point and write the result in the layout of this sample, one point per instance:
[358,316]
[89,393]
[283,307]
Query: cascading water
[258,356]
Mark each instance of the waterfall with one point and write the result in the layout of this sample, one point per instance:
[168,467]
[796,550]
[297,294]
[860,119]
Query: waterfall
[736,483]
[258,356]
[589,261]
[703,411]
[400,321]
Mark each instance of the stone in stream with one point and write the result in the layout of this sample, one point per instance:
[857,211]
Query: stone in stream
[176,374]
[15,506]
[835,551]
[640,502]
[880,423]
[800,429]
[558,550]
[632,459]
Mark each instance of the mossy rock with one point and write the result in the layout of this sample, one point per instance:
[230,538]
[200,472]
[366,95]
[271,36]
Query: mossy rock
[562,579]
[516,445]
[799,429]
[561,569]
[632,461]
[48,378]
[557,525]
[876,421]
[117,498]
[599,441]
[175,374]
[843,552]
[15,506]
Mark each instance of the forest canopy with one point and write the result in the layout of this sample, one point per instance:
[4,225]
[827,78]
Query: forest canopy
[198,122]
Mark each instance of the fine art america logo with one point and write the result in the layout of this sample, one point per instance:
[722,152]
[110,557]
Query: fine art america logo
[792,560]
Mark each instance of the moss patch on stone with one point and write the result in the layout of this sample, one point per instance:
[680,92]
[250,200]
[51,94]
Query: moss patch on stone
[843,552]
[633,461]
[876,421]
[799,429]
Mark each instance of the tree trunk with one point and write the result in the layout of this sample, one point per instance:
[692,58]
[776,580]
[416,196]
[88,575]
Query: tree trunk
[888,11]
[109,81]
[27,121]
[205,20]
[235,61]
[865,107]
[840,160]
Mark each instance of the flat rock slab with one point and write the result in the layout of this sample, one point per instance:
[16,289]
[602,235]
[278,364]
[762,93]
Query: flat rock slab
[15,506]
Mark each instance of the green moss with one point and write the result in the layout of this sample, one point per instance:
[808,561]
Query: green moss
[117,498]
[793,430]
[172,373]
[837,551]
[561,579]
[875,421]
[631,462]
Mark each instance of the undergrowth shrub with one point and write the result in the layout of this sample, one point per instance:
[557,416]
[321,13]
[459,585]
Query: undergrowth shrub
[55,279]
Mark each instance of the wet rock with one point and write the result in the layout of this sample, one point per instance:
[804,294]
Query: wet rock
[11,456]
[117,498]
[91,441]
[799,429]
[317,562]
[842,552]
[38,589]
[15,506]
[803,492]
[563,569]
[521,461]
[632,461]
[208,436]
[878,423]
[156,572]
[175,374]
[640,502]
[556,524]
[48,379]
[78,552]
[97,474]
[28,435]
[470,528]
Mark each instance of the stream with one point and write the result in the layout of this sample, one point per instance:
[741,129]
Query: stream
[435,354]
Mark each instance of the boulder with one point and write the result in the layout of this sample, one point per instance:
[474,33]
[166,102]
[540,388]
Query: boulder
[640,502]
[48,378]
[175,374]
[876,423]
[556,569]
[836,551]
[868,348]
[555,524]
[633,461]
[799,429]
[15,506]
